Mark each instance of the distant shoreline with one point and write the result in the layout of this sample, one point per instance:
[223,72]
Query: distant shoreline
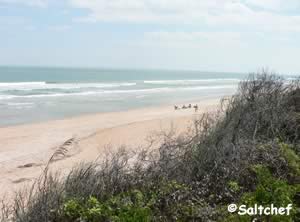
[79,115]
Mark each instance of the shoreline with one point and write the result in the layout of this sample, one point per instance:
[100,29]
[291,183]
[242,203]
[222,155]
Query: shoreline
[164,107]
[92,114]
[25,149]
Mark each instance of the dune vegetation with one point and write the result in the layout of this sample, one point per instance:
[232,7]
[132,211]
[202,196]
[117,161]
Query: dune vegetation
[247,152]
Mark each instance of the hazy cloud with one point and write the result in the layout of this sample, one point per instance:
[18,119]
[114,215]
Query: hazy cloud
[194,12]
[60,28]
[36,3]
[193,37]
[275,5]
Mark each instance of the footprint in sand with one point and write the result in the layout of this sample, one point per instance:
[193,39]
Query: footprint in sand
[21,180]
[28,165]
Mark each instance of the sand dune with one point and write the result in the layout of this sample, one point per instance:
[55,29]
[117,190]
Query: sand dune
[25,149]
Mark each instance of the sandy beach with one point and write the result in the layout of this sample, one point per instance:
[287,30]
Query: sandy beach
[25,149]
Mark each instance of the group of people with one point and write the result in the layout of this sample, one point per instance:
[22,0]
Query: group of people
[187,107]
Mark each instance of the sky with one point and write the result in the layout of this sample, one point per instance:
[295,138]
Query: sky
[208,35]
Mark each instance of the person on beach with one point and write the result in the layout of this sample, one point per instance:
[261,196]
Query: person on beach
[196,107]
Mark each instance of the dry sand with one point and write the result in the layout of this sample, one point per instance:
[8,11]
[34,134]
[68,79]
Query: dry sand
[25,149]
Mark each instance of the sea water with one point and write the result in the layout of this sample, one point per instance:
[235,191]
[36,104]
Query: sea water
[30,94]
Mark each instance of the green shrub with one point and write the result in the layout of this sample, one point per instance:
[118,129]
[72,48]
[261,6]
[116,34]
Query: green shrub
[234,186]
[291,157]
[124,207]
[72,209]
[269,190]
[161,202]
[130,206]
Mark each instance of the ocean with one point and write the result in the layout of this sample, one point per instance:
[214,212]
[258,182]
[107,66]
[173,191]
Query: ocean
[30,95]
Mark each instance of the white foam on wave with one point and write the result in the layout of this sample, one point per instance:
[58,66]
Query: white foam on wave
[109,92]
[20,104]
[188,81]
[170,89]
[8,84]
[4,97]
[25,86]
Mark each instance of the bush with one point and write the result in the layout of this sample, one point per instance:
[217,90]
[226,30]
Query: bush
[116,209]
[269,190]
[134,205]
[292,159]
